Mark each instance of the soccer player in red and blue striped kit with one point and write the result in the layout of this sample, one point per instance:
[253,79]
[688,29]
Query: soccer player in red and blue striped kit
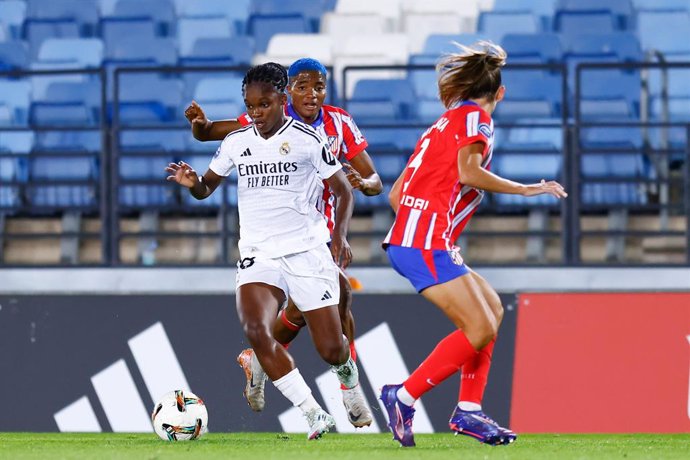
[434,199]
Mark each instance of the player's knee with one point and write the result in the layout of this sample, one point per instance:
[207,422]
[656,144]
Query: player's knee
[294,316]
[334,352]
[482,331]
[257,334]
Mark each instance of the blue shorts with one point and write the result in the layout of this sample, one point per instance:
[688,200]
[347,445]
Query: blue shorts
[424,268]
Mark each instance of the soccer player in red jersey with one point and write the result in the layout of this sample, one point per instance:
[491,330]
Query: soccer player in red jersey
[307,91]
[434,198]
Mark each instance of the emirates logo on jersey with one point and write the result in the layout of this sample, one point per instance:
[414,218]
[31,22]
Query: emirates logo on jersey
[333,144]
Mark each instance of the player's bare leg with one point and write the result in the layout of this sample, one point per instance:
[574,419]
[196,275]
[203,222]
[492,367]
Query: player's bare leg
[257,306]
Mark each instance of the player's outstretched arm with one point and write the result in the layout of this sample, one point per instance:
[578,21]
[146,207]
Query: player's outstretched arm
[200,188]
[204,129]
[363,176]
[340,248]
[473,174]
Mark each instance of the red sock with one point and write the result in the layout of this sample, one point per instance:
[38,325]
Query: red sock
[353,355]
[475,373]
[446,359]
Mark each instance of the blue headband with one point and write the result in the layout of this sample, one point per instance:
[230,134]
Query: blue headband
[305,65]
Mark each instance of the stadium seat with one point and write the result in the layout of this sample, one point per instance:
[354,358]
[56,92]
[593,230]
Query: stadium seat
[76,52]
[69,141]
[658,31]
[530,94]
[400,139]
[419,26]
[342,26]
[585,22]
[153,140]
[622,10]
[14,54]
[15,95]
[388,9]
[263,27]
[159,12]
[495,25]
[141,51]
[64,19]
[533,48]
[152,100]
[67,104]
[13,168]
[312,10]
[382,101]
[437,44]
[647,5]
[544,132]
[287,48]
[530,163]
[13,14]
[613,86]
[235,51]
[609,169]
[611,137]
[467,14]
[189,30]
[390,165]
[237,15]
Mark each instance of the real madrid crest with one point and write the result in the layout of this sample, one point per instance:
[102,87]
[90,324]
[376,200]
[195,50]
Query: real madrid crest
[285,148]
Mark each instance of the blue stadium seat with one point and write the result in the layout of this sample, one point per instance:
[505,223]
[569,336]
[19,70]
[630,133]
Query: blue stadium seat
[63,19]
[657,5]
[13,168]
[68,141]
[614,137]
[538,164]
[533,48]
[263,27]
[70,53]
[585,22]
[622,10]
[57,167]
[15,96]
[160,12]
[530,94]
[220,97]
[543,9]
[658,30]
[496,24]
[235,51]
[312,10]
[14,54]
[424,81]
[237,15]
[153,140]
[545,133]
[151,100]
[13,14]
[113,29]
[382,100]
[192,29]
[615,47]
[389,166]
[67,104]
[437,44]
[611,167]
[141,51]
[401,139]
[610,85]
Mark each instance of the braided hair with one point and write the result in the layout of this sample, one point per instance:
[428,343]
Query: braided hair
[270,72]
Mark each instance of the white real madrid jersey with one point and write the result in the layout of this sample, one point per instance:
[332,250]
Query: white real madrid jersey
[278,184]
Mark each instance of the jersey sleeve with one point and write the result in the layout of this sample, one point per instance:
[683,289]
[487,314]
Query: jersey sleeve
[354,142]
[324,161]
[222,163]
[245,119]
[474,126]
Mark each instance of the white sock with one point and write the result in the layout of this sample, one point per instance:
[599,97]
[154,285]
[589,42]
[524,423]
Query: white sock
[466,405]
[309,404]
[405,397]
[294,388]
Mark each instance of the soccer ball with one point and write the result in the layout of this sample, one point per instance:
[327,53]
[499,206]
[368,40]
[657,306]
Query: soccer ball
[180,416]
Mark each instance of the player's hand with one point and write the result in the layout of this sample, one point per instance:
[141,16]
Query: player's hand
[182,173]
[551,187]
[354,177]
[195,115]
[341,252]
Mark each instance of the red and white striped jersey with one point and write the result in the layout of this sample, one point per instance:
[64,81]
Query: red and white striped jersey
[344,138]
[434,205]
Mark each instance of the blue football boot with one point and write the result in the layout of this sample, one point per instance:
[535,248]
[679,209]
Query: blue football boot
[481,427]
[399,416]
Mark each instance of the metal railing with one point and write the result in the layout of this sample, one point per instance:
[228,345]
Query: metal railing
[111,209]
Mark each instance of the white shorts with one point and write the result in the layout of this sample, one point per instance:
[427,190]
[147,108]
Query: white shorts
[310,278]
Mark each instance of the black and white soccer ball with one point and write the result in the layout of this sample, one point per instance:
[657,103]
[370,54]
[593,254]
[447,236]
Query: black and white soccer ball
[180,416]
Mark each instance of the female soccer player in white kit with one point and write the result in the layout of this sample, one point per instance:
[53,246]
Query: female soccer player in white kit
[280,164]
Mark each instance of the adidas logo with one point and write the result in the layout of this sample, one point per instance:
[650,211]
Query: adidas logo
[246,153]
[327,295]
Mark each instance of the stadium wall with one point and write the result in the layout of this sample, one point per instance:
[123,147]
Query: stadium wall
[92,349]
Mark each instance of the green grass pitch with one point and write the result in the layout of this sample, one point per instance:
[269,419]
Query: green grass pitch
[262,446]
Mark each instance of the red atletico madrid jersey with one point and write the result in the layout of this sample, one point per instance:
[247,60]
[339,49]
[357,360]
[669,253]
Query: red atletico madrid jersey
[344,138]
[434,205]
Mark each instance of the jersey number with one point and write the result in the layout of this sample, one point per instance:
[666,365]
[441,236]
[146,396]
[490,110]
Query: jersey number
[417,161]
